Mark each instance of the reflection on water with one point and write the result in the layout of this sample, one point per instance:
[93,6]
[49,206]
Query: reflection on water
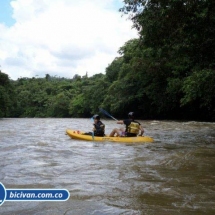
[173,175]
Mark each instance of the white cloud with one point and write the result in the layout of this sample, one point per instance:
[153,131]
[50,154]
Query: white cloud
[62,37]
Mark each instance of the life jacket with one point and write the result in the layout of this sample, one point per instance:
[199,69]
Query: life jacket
[100,130]
[133,128]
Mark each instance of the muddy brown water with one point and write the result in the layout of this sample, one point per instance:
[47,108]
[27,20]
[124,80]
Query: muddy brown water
[173,175]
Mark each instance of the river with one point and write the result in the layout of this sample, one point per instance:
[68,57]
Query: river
[173,175]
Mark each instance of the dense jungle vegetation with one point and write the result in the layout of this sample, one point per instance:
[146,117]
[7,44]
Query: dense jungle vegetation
[167,73]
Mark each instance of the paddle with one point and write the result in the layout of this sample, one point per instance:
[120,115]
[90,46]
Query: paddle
[93,131]
[106,113]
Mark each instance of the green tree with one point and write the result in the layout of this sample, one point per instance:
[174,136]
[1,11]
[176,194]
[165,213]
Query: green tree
[6,95]
[177,39]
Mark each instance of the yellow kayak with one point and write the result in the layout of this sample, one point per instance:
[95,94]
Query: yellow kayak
[79,135]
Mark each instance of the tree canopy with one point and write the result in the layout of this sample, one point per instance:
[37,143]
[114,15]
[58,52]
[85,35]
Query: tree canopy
[166,73]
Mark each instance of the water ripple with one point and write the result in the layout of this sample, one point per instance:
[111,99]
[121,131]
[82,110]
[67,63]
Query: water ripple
[174,175]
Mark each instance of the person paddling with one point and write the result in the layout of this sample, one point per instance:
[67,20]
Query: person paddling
[98,127]
[131,130]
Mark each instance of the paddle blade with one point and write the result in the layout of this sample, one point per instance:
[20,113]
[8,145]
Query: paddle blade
[106,113]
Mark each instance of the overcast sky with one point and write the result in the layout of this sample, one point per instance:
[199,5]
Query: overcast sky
[60,37]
